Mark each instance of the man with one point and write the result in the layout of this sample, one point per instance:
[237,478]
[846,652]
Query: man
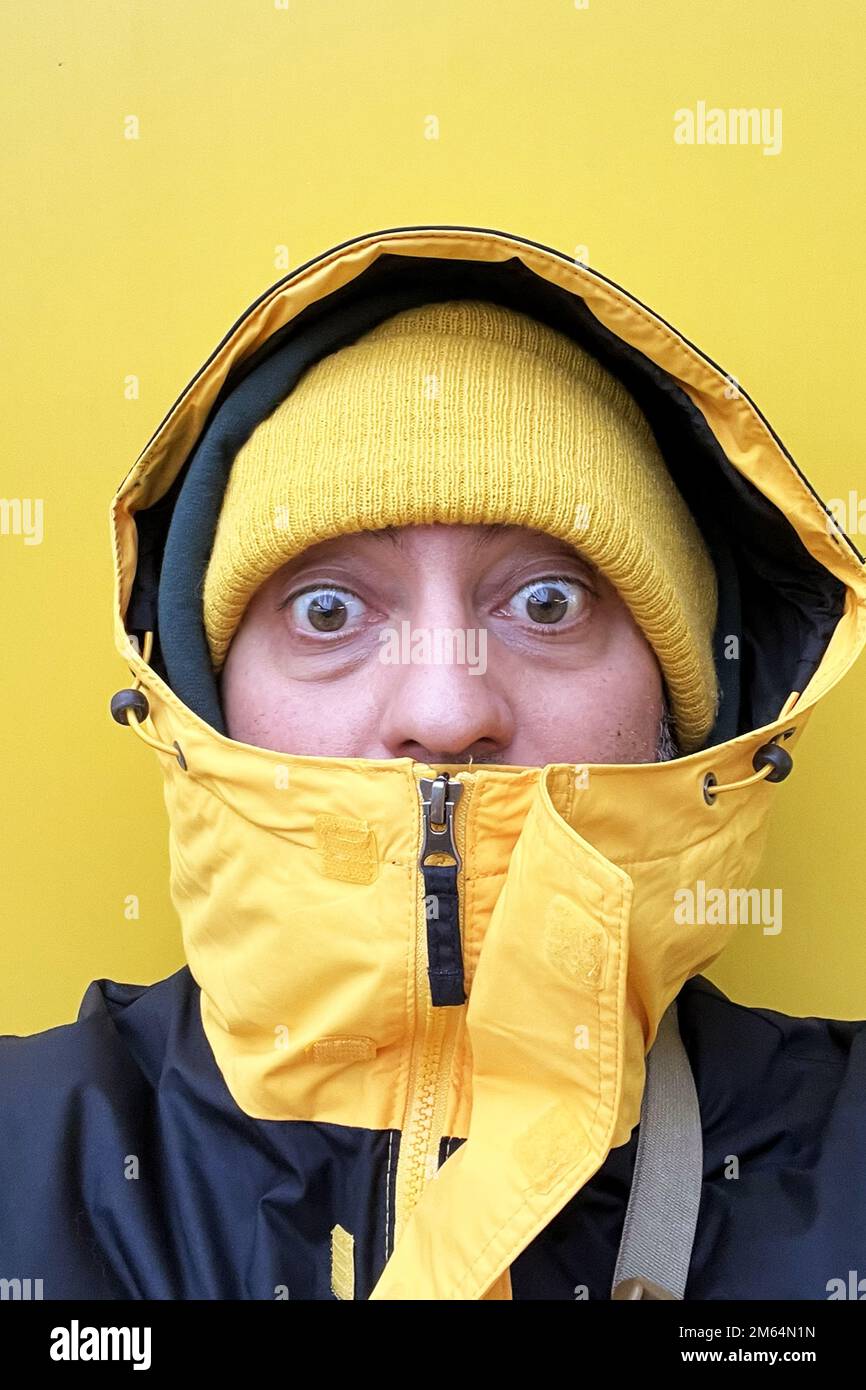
[475,617]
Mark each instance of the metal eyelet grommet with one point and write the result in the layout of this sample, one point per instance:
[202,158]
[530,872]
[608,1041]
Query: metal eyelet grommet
[710,781]
[124,700]
[773,755]
[181,759]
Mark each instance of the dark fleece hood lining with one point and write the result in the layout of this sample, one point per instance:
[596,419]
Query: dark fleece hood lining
[777,600]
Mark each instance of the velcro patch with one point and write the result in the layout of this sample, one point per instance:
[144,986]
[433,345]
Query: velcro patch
[342,1263]
[348,849]
[346,1049]
[574,944]
[551,1145]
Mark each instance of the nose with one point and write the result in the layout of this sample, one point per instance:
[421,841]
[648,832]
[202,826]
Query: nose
[446,710]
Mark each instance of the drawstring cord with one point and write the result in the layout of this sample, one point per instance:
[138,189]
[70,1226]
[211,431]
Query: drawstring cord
[131,705]
[772,762]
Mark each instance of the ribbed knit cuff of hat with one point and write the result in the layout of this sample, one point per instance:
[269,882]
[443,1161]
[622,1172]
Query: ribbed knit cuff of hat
[464,411]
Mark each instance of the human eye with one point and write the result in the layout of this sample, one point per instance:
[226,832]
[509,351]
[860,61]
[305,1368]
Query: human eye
[320,609]
[550,604]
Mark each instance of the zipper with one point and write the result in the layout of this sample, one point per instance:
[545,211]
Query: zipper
[440,999]
[440,798]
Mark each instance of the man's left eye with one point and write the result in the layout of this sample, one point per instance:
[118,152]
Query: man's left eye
[550,602]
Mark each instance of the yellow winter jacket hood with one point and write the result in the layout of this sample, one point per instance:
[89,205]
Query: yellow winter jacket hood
[297,879]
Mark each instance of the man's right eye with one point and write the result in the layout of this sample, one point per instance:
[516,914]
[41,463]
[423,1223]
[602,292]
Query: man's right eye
[323,609]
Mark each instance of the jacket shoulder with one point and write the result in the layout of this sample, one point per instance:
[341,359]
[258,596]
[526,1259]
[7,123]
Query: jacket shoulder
[121,1032]
[751,1061]
[77,1103]
[706,1013]
[783,1118]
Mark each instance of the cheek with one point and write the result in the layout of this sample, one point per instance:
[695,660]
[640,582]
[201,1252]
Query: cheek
[256,702]
[607,711]
[633,678]
[268,709]
[249,690]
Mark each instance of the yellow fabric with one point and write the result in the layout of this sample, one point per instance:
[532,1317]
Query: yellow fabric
[466,411]
[571,954]
[571,950]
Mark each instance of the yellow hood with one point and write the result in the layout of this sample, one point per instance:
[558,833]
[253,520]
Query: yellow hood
[297,880]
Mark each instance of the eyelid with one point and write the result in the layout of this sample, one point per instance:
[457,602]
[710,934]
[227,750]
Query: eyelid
[552,579]
[313,587]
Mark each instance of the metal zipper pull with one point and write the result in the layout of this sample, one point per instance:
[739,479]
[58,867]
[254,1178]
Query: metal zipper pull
[439,797]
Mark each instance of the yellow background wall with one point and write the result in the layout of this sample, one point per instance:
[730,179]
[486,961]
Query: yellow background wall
[301,125]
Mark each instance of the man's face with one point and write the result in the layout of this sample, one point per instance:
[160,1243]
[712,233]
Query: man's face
[439,643]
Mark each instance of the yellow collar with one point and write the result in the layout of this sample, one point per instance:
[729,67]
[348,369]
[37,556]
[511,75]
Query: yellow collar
[304,920]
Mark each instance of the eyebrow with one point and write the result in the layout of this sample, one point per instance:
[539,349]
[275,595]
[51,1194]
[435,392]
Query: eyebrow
[386,533]
[489,533]
[395,534]
[490,530]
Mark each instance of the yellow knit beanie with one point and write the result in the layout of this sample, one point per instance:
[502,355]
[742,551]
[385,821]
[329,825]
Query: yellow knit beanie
[465,411]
